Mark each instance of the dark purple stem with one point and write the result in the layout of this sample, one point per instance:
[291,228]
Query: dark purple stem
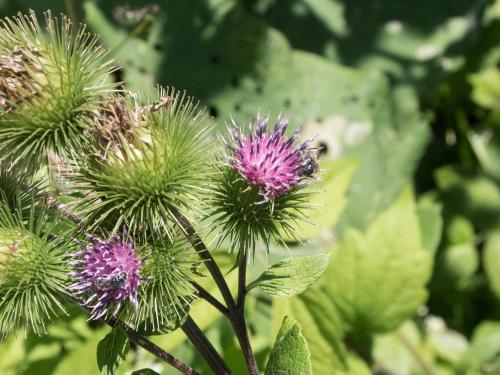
[236,311]
[206,349]
[150,346]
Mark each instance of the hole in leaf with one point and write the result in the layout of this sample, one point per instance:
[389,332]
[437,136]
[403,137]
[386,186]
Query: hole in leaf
[118,74]
[213,111]
[322,149]
[215,60]
[235,82]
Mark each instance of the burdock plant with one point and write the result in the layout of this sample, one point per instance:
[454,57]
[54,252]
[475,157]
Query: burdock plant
[147,181]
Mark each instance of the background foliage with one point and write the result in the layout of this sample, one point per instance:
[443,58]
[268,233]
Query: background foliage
[405,97]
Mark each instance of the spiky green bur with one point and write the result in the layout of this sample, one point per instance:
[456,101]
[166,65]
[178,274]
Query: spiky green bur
[32,274]
[9,239]
[240,215]
[140,181]
[166,291]
[51,77]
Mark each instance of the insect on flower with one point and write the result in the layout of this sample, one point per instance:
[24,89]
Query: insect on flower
[107,274]
[268,159]
[111,283]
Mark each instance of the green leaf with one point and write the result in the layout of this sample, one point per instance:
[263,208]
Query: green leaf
[491,262]
[377,279]
[328,204]
[389,351]
[405,47]
[290,354]
[145,371]
[388,155]
[484,345]
[431,224]
[291,276]
[459,230]
[457,262]
[470,194]
[112,350]
[324,333]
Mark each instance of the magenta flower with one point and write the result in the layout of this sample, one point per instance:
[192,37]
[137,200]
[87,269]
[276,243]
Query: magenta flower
[268,159]
[107,273]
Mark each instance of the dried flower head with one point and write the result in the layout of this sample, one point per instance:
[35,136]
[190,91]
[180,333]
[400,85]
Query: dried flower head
[268,159]
[15,81]
[51,76]
[107,274]
[140,181]
[118,118]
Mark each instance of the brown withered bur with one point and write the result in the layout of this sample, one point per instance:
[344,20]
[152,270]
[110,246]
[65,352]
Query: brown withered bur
[115,120]
[16,79]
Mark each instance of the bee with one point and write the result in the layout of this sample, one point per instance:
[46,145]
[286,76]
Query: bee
[309,166]
[111,283]
[160,103]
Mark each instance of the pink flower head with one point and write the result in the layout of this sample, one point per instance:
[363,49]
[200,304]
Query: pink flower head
[107,273]
[269,160]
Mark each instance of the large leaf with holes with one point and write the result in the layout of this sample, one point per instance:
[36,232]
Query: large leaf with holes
[377,279]
[234,63]
[416,42]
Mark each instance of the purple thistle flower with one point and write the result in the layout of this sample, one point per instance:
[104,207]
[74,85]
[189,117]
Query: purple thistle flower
[107,273]
[268,159]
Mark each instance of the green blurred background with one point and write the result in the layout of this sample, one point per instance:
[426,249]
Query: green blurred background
[400,94]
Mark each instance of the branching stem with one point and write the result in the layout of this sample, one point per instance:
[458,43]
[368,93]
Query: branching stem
[203,293]
[113,321]
[205,255]
[236,310]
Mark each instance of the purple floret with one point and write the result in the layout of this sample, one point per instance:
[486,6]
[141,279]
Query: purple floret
[107,273]
[268,159]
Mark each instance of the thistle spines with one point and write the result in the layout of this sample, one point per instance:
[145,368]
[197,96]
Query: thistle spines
[45,107]
[161,165]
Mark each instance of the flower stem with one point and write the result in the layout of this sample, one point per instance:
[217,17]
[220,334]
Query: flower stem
[205,255]
[150,346]
[206,349]
[236,313]
[238,319]
[202,293]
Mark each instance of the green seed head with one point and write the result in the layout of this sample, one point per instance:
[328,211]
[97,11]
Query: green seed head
[166,291]
[238,213]
[51,77]
[156,165]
